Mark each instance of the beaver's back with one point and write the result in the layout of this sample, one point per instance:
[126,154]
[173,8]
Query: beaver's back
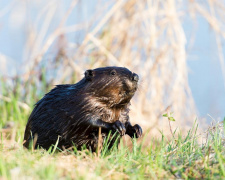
[53,116]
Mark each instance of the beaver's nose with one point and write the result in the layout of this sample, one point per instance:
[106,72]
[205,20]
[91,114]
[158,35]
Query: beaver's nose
[135,77]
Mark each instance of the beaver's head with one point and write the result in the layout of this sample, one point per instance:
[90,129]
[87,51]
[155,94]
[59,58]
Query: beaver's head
[114,86]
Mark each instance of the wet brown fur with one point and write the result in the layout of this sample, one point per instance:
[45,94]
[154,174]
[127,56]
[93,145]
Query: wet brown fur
[73,113]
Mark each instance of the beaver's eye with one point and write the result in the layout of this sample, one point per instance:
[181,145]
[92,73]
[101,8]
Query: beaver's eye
[113,72]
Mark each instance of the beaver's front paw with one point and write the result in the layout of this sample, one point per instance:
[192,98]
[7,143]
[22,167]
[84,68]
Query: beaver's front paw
[137,131]
[119,127]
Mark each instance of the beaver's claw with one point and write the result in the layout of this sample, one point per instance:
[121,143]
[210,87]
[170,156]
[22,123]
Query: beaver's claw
[119,127]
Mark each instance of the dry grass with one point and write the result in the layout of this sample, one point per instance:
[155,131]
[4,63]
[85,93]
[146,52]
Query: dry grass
[146,36]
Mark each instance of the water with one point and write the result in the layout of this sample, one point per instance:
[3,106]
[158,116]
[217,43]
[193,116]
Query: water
[205,74]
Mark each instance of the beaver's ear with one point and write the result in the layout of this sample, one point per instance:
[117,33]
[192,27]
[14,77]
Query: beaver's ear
[89,74]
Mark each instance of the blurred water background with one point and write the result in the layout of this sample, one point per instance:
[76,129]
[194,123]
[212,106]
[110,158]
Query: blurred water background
[25,26]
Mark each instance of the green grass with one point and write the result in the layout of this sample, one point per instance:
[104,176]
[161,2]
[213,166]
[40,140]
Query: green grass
[183,157]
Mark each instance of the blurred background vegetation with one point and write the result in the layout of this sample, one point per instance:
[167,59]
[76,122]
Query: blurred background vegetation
[44,43]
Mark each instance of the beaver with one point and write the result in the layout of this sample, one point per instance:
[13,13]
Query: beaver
[71,114]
